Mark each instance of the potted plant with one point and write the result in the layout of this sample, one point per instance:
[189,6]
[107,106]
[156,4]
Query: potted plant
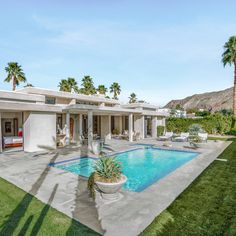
[107,177]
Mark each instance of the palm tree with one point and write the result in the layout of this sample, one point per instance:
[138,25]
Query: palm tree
[102,89]
[132,98]
[87,86]
[28,85]
[229,57]
[68,85]
[115,89]
[14,74]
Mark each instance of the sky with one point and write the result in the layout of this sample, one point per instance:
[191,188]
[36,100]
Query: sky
[161,50]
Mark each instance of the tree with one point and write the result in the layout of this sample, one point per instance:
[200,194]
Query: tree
[115,89]
[14,74]
[87,86]
[229,57]
[28,85]
[179,107]
[132,98]
[102,89]
[68,85]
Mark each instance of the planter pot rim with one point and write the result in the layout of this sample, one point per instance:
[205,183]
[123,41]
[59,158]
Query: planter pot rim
[122,181]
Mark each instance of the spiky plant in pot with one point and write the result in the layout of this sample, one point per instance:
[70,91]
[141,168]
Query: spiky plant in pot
[106,170]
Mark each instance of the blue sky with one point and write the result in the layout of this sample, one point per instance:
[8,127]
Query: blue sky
[161,50]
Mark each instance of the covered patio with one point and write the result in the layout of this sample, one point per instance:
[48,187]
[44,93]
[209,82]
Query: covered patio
[102,122]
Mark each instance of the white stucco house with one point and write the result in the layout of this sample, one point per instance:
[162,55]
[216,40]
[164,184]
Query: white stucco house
[33,118]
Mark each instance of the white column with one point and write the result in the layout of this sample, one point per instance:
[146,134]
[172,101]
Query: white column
[109,128]
[80,125]
[90,129]
[131,127]
[154,127]
[67,128]
[76,129]
[0,132]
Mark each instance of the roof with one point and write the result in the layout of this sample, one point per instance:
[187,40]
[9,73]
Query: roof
[81,97]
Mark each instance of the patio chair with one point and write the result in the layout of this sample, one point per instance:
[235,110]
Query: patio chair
[167,136]
[203,136]
[182,138]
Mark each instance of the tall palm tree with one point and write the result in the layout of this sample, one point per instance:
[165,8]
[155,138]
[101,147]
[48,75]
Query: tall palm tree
[68,85]
[102,89]
[87,86]
[115,89]
[14,74]
[229,57]
[132,98]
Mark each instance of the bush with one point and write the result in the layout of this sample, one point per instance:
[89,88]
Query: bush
[212,124]
[232,132]
[160,130]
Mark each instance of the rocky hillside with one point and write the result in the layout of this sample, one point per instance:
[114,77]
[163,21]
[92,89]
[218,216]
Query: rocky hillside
[212,101]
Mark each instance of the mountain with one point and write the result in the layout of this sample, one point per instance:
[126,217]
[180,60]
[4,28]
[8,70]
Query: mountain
[212,101]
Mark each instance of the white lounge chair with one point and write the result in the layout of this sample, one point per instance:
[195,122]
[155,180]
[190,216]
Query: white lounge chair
[167,136]
[203,136]
[182,138]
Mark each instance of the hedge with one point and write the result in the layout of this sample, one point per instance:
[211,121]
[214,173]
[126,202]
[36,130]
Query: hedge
[212,124]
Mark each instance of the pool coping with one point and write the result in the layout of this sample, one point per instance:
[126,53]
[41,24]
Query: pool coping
[143,187]
[128,216]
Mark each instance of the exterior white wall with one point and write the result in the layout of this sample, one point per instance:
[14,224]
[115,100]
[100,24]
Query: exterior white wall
[39,131]
[118,123]
[154,127]
[106,127]
[139,125]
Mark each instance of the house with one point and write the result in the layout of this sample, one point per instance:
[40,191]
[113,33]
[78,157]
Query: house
[34,118]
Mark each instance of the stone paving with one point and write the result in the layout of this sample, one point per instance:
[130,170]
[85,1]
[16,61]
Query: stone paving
[128,216]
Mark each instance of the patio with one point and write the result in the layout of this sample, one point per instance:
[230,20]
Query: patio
[129,216]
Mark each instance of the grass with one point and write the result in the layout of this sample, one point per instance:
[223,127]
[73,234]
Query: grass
[22,214]
[206,207]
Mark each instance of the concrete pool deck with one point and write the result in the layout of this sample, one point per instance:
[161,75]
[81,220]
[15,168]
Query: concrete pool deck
[128,216]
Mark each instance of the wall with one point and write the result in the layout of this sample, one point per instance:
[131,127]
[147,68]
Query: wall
[39,131]
[11,116]
[139,125]
[118,123]
[106,127]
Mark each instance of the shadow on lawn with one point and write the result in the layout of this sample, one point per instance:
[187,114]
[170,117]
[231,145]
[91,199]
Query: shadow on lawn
[12,222]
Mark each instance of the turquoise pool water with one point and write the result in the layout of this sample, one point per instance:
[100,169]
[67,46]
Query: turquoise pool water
[142,167]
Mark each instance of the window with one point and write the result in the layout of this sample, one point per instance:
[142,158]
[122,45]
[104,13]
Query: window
[50,100]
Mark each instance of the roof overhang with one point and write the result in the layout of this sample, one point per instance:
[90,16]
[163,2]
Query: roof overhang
[23,106]
[101,110]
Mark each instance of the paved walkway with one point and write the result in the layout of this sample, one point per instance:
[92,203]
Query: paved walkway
[128,216]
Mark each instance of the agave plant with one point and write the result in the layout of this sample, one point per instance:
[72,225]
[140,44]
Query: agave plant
[194,129]
[108,169]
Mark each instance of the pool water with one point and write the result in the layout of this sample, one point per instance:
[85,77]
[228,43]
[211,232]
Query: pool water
[142,167]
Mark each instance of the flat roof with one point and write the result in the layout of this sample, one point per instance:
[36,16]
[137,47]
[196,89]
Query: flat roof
[60,94]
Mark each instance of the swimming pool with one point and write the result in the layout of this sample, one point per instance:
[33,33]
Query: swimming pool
[142,167]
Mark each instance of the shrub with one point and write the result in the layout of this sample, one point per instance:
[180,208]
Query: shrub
[194,129]
[215,123]
[232,132]
[160,130]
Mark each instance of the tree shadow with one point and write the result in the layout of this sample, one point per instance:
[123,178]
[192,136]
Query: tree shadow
[9,226]
[43,213]
[84,207]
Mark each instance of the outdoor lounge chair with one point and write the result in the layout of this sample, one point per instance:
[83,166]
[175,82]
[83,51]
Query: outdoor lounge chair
[167,136]
[203,136]
[182,138]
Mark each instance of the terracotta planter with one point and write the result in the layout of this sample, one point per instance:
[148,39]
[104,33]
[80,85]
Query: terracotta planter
[110,191]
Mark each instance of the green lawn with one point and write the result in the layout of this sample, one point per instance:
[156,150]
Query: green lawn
[22,214]
[207,207]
